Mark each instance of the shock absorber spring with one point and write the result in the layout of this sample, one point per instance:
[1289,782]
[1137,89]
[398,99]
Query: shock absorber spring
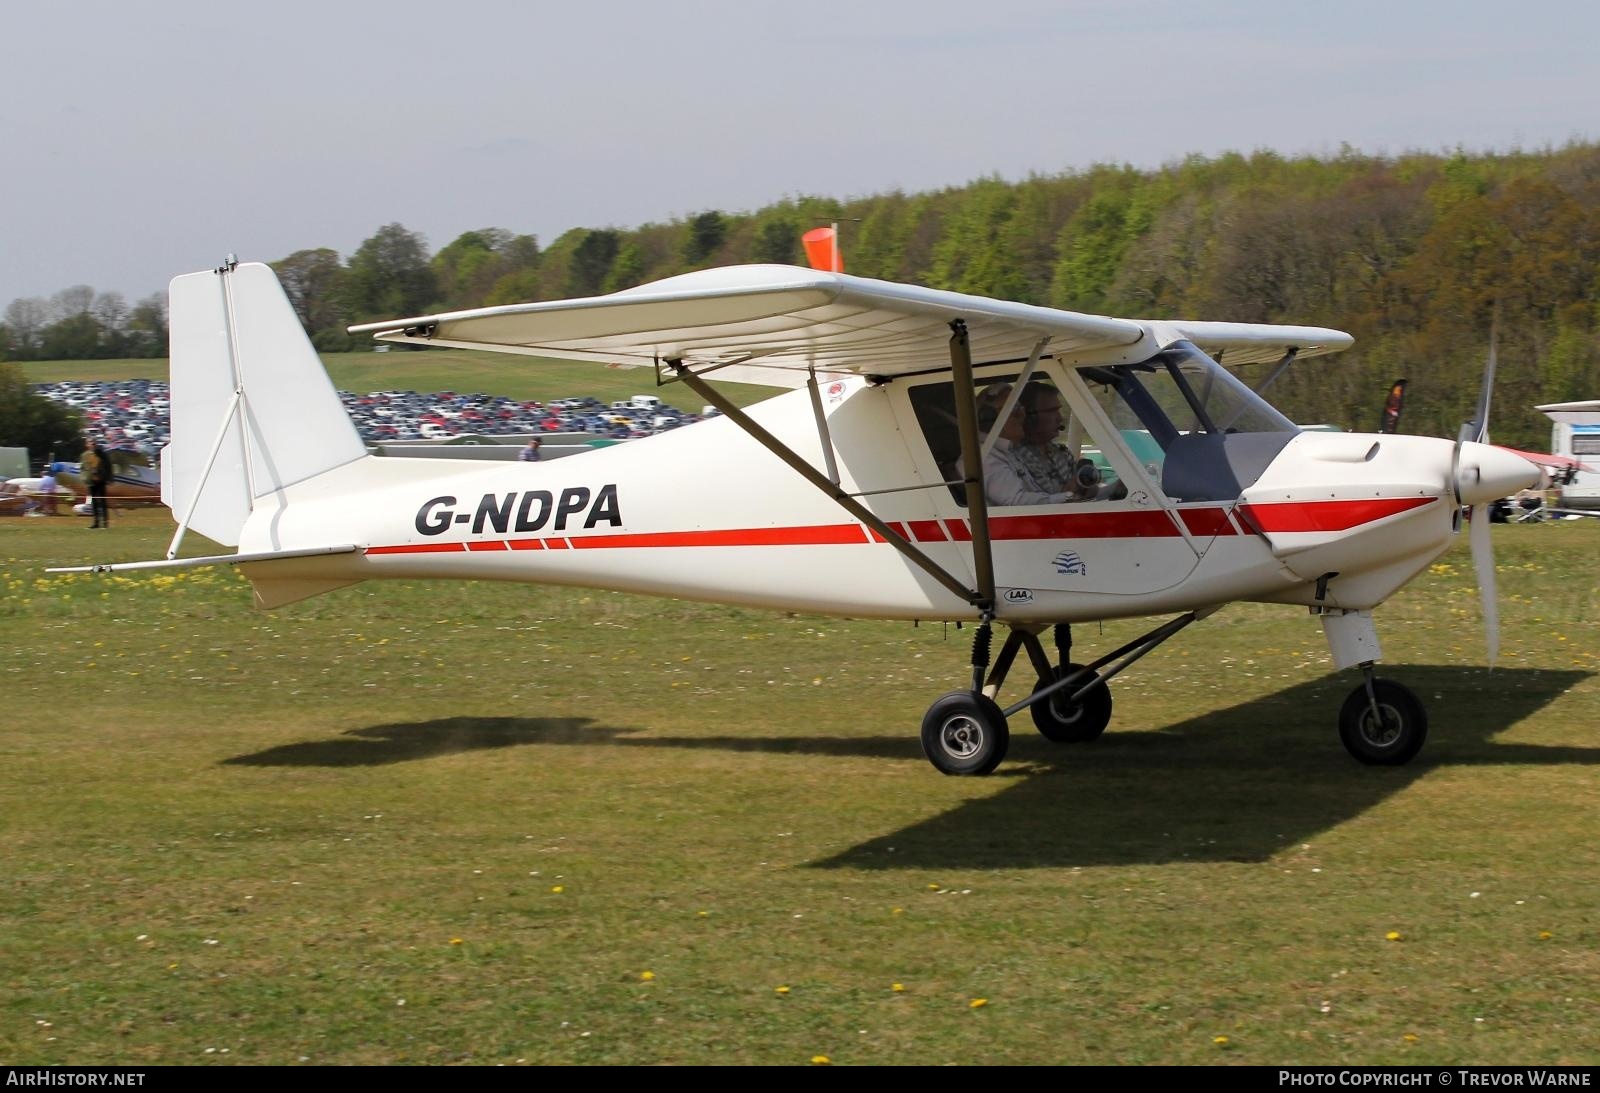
[980,652]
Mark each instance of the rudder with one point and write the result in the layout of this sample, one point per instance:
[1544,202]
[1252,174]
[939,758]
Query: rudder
[253,410]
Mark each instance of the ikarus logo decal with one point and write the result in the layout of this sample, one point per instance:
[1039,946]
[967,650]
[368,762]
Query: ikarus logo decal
[1069,562]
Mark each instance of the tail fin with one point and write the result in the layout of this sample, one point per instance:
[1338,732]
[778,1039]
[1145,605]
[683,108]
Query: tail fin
[253,410]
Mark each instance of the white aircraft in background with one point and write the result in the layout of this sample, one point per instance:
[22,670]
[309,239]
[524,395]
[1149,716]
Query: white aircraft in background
[862,494]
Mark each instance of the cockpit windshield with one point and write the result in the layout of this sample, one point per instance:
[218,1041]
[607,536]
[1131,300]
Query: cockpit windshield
[1181,390]
[1181,402]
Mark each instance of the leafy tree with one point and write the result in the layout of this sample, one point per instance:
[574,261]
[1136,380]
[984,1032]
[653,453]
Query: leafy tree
[25,323]
[29,420]
[1093,243]
[777,239]
[706,233]
[389,275]
[591,261]
[314,282]
[147,327]
[969,254]
[76,337]
[76,300]
[516,278]
[470,264]
[627,269]
[877,248]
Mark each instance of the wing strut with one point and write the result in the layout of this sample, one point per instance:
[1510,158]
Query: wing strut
[971,460]
[822,425]
[841,498]
[1277,370]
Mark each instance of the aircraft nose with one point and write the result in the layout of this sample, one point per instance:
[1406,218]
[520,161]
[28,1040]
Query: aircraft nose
[1488,472]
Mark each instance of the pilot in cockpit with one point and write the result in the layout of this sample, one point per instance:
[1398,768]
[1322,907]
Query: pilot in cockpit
[1025,466]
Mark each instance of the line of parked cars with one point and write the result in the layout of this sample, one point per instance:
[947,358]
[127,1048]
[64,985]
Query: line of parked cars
[135,414]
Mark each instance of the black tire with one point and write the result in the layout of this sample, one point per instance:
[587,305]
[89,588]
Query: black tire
[1066,722]
[1400,734]
[965,733]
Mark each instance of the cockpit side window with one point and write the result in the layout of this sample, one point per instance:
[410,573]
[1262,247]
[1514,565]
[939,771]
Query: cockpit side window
[1036,451]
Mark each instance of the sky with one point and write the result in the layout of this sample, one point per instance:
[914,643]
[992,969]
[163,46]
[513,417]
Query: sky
[145,141]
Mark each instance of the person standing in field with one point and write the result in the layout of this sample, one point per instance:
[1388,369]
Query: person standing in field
[95,464]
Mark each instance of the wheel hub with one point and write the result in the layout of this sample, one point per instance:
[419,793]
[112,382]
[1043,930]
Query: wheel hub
[1382,732]
[962,737]
[1064,709]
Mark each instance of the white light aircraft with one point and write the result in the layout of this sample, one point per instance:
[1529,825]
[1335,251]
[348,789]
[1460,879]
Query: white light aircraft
[862,492]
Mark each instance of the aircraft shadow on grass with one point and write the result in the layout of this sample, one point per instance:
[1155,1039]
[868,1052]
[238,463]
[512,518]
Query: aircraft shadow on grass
[1236,784]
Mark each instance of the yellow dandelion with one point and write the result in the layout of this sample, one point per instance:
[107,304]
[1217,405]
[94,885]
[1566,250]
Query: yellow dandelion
[702,914]
[1392,935]
[933,887]
[898,911]
[455,941]
[977,1003]
[898,988]
[558,889]
[1545,935]
[647,975]
[1410,1037]
[1220,1041]
[821,1060]
[781,990]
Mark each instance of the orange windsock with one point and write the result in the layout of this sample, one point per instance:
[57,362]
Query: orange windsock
[822,250]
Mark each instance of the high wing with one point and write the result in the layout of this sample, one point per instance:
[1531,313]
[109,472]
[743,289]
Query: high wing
[784,318]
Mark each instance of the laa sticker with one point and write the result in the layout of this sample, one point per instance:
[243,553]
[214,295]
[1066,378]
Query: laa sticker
[1069,562]
[1018,595]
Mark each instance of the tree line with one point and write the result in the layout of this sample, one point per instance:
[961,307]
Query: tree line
[1414,254]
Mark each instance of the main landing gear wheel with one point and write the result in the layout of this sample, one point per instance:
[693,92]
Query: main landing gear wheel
[1391,737]
[1066,722]
[965,733]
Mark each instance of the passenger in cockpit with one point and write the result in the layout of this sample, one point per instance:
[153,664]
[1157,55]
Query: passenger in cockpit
[1007,479]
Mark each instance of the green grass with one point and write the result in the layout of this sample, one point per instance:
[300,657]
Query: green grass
[336,833]
[460,370]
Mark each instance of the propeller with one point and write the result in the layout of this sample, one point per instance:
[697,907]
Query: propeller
[1475,431]
[1483,565]
[1473,486]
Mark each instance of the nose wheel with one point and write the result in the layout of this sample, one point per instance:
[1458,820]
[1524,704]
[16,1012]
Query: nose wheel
[1383,723]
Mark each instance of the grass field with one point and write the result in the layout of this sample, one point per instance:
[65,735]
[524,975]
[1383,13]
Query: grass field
[486,823]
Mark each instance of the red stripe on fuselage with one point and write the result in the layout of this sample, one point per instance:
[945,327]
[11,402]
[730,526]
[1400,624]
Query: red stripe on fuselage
[814,535]
[1288,516]
[1137,524]
[418,548]
[1282,516]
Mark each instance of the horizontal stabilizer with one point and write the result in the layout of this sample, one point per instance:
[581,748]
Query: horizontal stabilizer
[214,559]
[270,593]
